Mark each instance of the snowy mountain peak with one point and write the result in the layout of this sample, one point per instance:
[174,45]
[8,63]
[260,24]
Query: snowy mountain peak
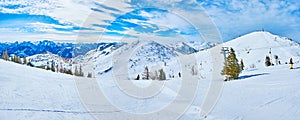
[261,39]
[254,48]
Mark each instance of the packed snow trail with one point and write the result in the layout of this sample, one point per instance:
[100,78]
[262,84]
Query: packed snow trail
[41,94]
[32,94]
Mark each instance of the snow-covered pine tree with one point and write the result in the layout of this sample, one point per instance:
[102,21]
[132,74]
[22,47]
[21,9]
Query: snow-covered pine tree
[231,68]
[146,73]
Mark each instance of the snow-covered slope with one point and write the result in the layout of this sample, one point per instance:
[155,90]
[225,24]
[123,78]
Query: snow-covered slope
[254,47]
[100,60]
[263,94]
[34,94]
[153,55]
[47,59]
[269,93]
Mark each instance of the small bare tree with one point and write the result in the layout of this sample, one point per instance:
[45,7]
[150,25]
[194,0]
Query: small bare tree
[194,70]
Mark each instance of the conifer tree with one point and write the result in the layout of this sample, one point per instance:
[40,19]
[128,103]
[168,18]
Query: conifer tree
[68,71]
[162,75]
[268,61]
[89,75]
[242,64]
[76,71]
[146,74]
[80,71]
[52,66]
[19,60]
[15,58]
[24,60]
[5,55]
[137,77]
[232,67]
[194,70]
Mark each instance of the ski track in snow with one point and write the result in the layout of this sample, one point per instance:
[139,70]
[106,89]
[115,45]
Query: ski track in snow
[58,111]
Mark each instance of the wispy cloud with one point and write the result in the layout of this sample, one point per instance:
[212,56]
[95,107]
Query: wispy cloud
[115,19]
[237,17]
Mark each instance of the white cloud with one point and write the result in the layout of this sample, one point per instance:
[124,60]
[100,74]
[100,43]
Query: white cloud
[241,17]
[233,17]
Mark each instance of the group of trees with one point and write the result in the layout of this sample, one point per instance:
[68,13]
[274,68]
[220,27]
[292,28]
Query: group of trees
[155,75]
[277,61]
[14,58]
[17,59]
[233,68]
[80,72]
[53,66]
[5,55]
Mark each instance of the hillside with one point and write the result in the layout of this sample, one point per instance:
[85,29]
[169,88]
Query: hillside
[254,47]
[269,94]
[32,93]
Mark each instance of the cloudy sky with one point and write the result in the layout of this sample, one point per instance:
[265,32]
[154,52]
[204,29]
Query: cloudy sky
[91,20]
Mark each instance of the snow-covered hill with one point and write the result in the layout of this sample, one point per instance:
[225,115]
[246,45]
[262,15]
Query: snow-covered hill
[47,59]
[33,94]
[100,60]
[263,94]
[254,47]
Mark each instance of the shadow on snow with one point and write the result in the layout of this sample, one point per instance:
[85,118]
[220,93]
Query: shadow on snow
[254,75]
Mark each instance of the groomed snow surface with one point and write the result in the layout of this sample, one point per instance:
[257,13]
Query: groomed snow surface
[270,93]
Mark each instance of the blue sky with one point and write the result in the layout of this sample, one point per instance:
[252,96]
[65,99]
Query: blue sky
[110,20]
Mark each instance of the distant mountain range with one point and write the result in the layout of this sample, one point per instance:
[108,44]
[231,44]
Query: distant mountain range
[66,50]
[70,50]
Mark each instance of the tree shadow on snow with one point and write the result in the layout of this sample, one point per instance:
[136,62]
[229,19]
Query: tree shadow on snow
[254,75]
[297,68]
